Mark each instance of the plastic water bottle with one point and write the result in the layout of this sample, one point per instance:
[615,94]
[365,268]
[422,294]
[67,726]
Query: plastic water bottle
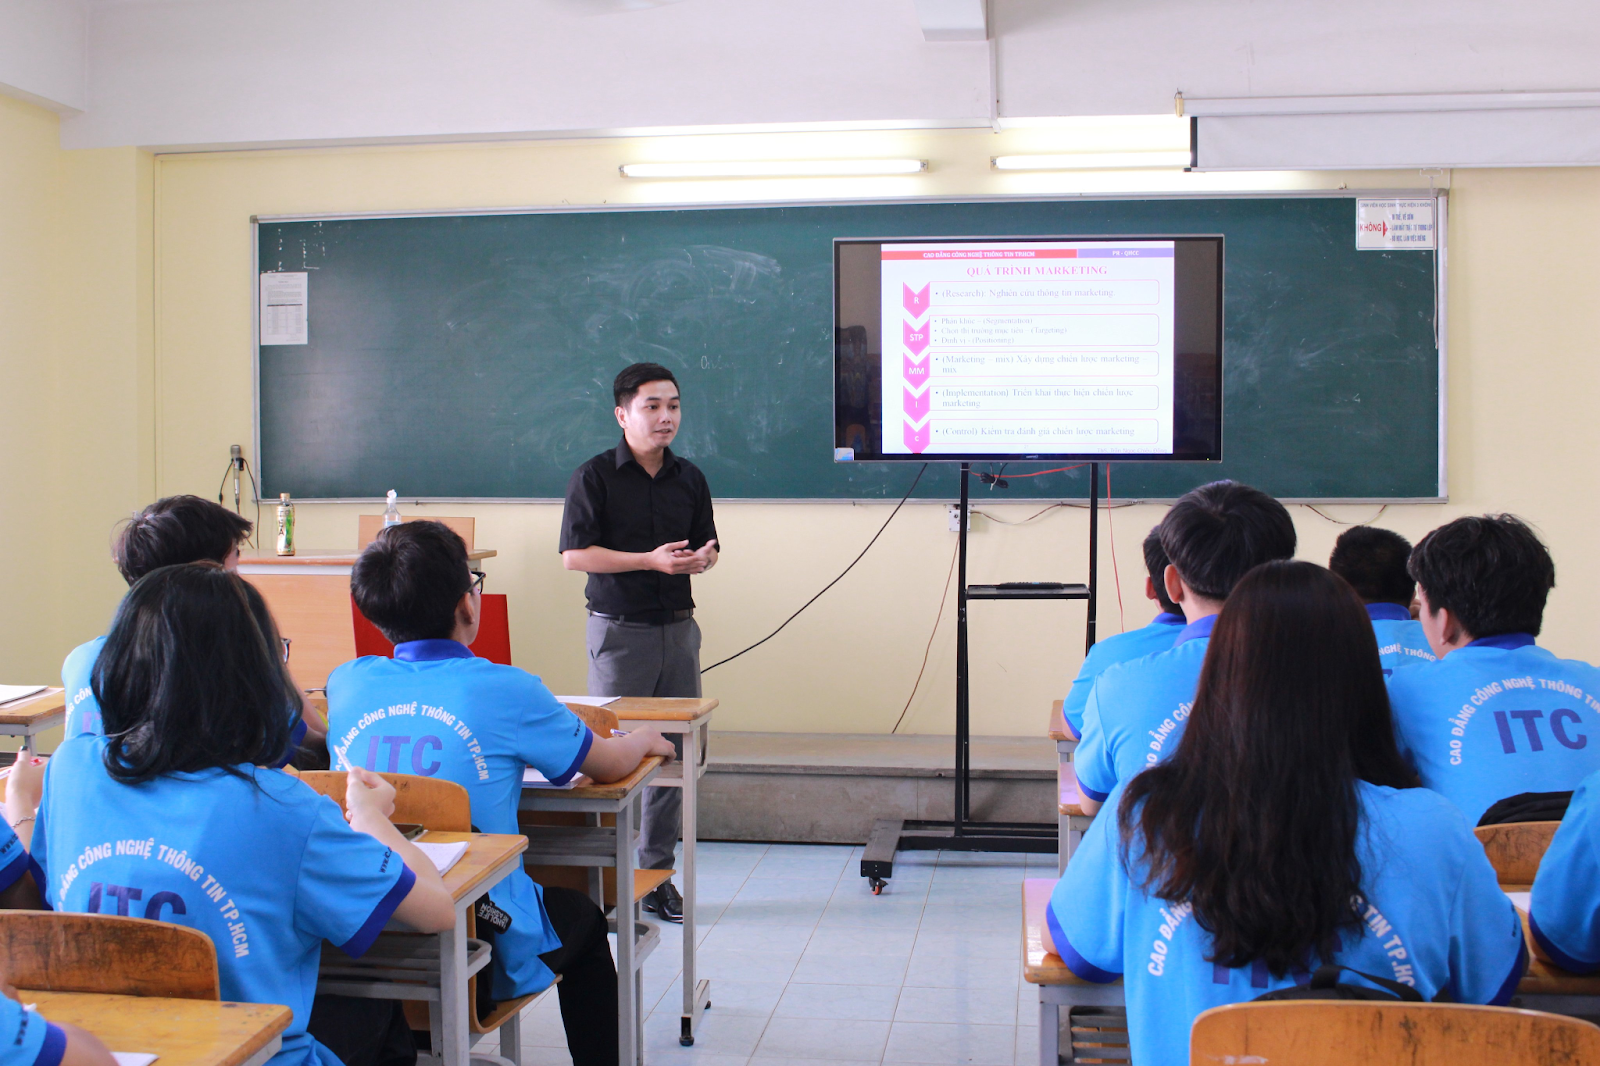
[285,524]
[391,514]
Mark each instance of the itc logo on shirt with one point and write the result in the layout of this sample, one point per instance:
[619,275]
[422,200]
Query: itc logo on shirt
[105,898]
[394,749]
[1560,725]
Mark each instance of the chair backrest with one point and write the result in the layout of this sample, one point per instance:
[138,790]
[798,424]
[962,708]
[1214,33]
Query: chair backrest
[431,802]
[369,525]
[48,951]
[494,632]
[1339,1032]
[602,720]
[1514,849]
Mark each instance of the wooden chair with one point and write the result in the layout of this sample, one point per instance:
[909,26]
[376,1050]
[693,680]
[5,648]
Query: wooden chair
[48,951]
[1515,849]
[1336,1033]
[433,803]
[369,525]
[602,720]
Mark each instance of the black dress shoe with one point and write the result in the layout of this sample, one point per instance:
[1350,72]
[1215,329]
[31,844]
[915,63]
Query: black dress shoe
[665,903]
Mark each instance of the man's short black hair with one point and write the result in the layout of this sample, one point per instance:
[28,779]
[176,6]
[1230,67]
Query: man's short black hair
[176,530]
[410,579]
[1373,560]
[632,378]
[1491,571]
[1155,562]
[1217,533]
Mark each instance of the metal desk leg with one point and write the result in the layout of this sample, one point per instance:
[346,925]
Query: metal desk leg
[455,1048]
[1049,1031]
[627,997]
[696,993]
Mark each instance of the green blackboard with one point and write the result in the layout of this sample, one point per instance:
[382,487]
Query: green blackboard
[470,356]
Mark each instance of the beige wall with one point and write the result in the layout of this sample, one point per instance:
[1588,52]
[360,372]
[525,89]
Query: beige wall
[76,358]
[1522,389]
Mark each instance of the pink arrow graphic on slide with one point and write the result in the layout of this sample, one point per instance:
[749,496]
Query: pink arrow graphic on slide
[916,339]
[917,405]
[916,373]
[917,301]
[917,439]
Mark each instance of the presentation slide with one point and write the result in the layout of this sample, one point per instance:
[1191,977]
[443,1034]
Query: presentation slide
[1031,347]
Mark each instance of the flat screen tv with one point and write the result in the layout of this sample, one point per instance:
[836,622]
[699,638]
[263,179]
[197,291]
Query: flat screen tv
[1028,348]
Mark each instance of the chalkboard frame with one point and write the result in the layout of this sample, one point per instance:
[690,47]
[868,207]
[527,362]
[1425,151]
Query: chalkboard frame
[1441,289]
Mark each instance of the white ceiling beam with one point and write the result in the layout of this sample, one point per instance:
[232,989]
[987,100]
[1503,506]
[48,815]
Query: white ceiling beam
[953,20]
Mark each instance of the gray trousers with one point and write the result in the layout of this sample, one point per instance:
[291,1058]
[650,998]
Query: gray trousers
[640,660]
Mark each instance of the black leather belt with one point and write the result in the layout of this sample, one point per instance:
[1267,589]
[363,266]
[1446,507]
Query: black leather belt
[648,618]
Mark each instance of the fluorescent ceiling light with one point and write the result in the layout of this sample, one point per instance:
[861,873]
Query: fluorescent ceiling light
[1092,161]
[775,168]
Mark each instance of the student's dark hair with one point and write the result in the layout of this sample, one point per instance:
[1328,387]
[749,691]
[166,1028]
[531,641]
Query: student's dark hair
[177,529]
[1491,571]
[1373,560]
[632,378]
[1254,819]
[1216,533]
[410,579]
[192,678]
[1155,562]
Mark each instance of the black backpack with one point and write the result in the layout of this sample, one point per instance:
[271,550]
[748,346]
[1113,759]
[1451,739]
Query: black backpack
[1528,807]
[1325,985]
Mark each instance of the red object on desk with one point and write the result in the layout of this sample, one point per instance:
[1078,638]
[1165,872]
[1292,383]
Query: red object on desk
[494,632]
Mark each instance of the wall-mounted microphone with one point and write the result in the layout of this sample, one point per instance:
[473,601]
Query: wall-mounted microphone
[236,453]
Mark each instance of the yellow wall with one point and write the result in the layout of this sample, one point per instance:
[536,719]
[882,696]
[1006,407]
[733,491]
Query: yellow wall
[1522,389]
[76,359]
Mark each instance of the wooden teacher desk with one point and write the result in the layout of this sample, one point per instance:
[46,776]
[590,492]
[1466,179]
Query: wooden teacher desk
[309,594]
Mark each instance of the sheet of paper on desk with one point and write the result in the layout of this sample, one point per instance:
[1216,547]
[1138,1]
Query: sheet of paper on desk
[11,693]
[1519,900]
[133,1058]
[532,778]
[443,856]
[589,701]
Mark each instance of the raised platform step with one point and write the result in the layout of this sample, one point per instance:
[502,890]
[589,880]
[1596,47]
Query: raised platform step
[830,787]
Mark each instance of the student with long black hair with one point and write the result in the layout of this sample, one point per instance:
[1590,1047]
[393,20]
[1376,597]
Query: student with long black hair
[1284,833]
[174,814]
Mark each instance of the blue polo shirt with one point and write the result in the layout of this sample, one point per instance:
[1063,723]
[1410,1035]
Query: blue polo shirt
[1498,717]
[437,710]
[1433,917]
[1135,644]
[265,867]
[1564,913]
[1401,641]
[26,1039]
[83,710]
[1137,711]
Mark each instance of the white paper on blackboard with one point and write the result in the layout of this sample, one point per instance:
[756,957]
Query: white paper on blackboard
[283,307]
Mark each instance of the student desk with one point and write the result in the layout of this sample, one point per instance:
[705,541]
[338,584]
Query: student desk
[433,968]
[1071,822]
[1544,987]
[597,846]
[184,1032]
[309,594]
[25,718]
[691,720]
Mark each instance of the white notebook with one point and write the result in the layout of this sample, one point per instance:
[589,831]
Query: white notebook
[532,778]
[134,1058]
[1519,900]
[444,856]
[12,693]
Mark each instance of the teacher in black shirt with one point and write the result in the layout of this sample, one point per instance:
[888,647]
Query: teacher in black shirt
[638,522]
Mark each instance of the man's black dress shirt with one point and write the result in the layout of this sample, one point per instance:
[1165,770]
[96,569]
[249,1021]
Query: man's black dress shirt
[613,503]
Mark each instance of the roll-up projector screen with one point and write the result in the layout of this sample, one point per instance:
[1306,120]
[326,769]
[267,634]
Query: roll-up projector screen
[1020,348]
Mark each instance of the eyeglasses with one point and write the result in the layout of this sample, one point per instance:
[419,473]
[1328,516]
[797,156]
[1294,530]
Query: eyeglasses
[477,580]
[286,642]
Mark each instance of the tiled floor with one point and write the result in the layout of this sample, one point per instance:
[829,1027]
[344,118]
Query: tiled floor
[807,966]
